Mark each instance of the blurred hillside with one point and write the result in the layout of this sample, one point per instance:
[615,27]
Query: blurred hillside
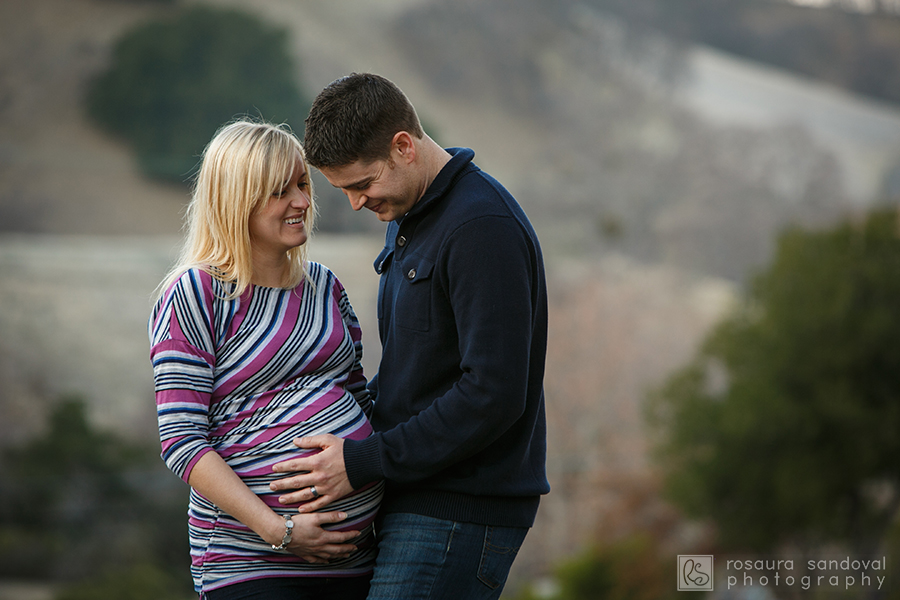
[592,122]
[57,173]
[657,175]
[601,130]
[616,164]
[848,44]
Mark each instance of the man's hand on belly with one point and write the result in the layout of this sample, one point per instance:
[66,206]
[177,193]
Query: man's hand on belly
[325,478]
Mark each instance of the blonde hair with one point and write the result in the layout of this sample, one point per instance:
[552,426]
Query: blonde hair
[245,163]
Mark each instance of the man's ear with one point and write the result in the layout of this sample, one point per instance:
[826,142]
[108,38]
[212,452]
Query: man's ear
[403,148]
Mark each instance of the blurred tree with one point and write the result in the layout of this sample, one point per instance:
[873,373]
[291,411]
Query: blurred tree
[173,82]
[628,569]
[77,502]
[786,426]
[140,582]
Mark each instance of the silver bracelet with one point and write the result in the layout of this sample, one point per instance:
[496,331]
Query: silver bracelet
[288,531]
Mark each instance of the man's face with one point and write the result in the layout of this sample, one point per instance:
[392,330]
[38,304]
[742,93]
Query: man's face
[387,188]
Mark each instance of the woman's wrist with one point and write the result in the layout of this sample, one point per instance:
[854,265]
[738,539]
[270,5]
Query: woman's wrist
[287,536]
[274,529]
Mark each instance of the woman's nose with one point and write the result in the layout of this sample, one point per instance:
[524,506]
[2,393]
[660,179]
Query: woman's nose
[300,200]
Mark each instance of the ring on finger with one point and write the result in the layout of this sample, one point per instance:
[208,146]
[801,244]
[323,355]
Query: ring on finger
[312,490]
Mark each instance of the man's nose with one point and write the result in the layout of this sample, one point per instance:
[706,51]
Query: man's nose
[357,199]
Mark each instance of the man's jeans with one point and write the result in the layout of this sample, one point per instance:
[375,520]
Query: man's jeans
[421,558]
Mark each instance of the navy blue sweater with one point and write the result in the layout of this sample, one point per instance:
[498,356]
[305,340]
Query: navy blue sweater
[462,313]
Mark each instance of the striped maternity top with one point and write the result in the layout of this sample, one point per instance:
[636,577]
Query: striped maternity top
[243,378]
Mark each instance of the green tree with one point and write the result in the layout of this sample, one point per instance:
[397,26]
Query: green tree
[627,569]
[173,82]
[139,582]
[78,503]
[786,426]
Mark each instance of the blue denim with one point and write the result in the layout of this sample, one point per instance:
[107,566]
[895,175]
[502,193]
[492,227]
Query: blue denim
[422,558]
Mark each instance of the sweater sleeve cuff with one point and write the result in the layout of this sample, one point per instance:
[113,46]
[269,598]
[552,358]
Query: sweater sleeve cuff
[362,460]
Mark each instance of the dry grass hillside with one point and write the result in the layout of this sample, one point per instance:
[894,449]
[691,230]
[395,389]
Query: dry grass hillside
[616,330]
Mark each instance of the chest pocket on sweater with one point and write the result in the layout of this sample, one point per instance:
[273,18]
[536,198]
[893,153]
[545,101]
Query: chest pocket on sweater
[412,306]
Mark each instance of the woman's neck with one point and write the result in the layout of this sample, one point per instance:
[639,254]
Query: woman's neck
[269,271]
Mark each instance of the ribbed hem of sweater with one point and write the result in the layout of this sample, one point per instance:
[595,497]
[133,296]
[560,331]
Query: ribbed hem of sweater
[501,511]
[363,464]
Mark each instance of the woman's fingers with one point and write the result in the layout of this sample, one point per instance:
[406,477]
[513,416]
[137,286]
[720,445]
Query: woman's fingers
[314,543]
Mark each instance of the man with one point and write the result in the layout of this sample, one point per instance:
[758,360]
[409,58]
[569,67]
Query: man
[462,310]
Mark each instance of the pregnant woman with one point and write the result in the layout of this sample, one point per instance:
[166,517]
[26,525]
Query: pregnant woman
[252,346]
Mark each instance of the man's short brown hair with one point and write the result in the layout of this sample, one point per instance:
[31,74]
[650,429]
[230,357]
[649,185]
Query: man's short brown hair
[355,118]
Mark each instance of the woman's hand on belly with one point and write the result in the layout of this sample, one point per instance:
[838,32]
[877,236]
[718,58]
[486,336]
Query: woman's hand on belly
[313,543]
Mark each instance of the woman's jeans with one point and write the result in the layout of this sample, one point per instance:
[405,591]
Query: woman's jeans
[421,558]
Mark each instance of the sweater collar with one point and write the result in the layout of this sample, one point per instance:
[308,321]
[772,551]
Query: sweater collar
[461,159]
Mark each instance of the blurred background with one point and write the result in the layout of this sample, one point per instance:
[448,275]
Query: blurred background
[715,186]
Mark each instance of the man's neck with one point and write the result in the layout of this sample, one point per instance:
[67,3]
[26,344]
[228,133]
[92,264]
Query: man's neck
[434,159]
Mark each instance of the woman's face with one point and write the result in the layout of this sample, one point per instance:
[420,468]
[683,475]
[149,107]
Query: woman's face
[279,224]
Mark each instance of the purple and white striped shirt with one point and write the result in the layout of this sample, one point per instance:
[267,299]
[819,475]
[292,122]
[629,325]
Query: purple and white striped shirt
[243,378]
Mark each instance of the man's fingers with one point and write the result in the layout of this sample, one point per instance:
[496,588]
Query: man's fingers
[296,482]
[306,494]
[287,466]
[292,498]
[305,462]
[314,441]
[310,507]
